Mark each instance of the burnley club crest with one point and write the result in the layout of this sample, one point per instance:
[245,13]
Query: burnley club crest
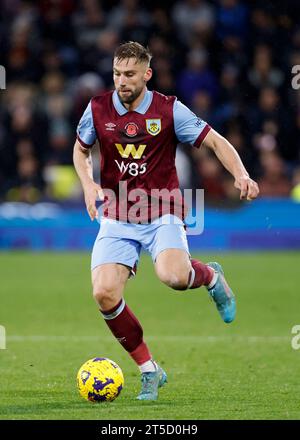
[153,126]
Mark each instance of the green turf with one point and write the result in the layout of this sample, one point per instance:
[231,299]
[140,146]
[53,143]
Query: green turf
[245,370]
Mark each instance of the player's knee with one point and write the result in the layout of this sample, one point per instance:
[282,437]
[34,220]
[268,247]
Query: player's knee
[105,295]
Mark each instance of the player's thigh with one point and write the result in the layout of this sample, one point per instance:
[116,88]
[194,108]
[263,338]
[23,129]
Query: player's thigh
[113,259]
[171,256]
[108,250]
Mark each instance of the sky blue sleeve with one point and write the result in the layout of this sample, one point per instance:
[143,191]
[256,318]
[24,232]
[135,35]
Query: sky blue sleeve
[189,128]
[86,133]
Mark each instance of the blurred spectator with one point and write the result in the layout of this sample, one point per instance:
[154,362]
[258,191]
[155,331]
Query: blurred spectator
[86,86]
[60,131]
[263,73]
[232,32]
[237,138]
[125,8]
[263,26]
[271,118]
[229,81]
[131,20]
[163,77]
[28,185]
[210,177]
[193,16]
[55,16]
[274,181]
[202,106]
[21,62]
[162,25]
[87,21]
[232,20]
[196,76]
[101,58]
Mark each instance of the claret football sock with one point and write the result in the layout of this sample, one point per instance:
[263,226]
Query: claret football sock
[200,275]
[128,331]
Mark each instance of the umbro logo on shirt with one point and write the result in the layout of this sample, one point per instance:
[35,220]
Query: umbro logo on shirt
[110,126]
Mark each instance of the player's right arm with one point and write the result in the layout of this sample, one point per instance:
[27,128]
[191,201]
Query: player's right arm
[82,158]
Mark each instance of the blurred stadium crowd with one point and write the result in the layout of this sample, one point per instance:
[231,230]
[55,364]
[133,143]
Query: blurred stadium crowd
[230,61]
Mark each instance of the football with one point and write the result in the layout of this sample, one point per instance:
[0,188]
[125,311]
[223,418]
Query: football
[100,380]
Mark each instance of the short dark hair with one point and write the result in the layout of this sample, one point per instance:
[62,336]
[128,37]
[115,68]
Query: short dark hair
[132,49]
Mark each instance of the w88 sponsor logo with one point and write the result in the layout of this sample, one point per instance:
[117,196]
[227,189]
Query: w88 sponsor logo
[130,149]
[133,168]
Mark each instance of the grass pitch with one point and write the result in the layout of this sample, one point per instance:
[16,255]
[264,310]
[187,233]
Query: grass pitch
[245,370]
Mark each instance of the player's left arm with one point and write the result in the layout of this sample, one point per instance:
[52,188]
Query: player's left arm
[231,160]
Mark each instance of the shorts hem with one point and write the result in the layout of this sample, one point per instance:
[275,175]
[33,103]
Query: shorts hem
[170,247]
[132,269]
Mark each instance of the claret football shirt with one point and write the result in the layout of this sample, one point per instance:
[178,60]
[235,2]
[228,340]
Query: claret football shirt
[137,150]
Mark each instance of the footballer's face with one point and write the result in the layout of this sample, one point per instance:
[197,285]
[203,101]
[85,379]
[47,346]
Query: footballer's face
[130,79]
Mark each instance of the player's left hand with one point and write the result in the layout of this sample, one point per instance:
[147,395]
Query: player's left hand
[248,187]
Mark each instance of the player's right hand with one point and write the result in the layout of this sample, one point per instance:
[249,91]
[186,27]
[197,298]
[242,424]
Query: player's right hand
[248,187]
[92,192]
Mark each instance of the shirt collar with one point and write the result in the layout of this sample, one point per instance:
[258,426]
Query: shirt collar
[141,108]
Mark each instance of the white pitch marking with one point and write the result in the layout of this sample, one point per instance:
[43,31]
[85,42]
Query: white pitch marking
[179,338]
